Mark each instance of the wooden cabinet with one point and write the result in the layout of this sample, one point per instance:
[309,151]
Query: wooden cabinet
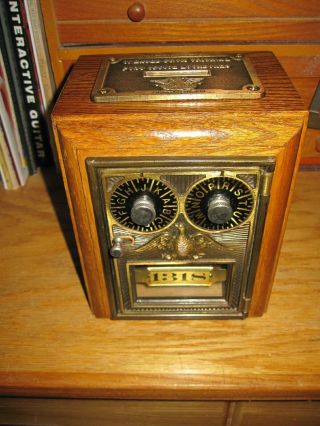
[291,30]
[187,21]
[112,413]
[276,413]
[157,413]
[187,9]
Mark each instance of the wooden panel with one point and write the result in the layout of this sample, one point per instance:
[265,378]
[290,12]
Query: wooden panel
[72,412]
[297,69]
[301,66]
[110,413]
[67,66]
[245,30]
[295,57]
[304,70]
[17,411]
[276,414]
[49,18]
[75,99]
[275,224]
[180,9]
[306,88]
[50,343]
[311,147]
[307,66]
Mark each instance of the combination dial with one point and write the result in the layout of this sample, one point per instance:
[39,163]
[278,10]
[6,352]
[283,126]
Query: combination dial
[144,204]
[219,203]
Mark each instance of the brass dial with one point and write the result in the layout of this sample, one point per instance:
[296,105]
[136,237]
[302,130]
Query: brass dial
[144,204]
[219,203]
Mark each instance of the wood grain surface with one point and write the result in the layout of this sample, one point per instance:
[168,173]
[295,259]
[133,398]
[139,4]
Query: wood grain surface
[75,412]
[187,21]
[281,95]
[311,147]
[180,9]
[83,412]
[51,345]
[244,31]
[276,414]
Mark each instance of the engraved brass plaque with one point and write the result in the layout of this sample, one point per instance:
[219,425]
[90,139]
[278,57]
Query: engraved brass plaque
[177,276]
[172,77]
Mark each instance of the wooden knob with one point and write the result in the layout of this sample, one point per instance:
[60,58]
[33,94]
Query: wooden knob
[136,12]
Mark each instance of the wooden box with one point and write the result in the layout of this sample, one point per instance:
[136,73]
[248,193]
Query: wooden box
[100,143]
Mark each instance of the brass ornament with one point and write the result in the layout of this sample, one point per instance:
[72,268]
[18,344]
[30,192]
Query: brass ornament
[177,84]
[180,244]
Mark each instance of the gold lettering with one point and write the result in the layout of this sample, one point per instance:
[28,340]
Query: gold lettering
[166,200]
[200,194]
[128,191]
[184,276]
[202,276]
[238,192]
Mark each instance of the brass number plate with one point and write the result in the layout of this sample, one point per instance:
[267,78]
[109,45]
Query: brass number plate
[178,276]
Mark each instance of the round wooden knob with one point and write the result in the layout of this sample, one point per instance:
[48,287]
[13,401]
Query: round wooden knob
[136,12]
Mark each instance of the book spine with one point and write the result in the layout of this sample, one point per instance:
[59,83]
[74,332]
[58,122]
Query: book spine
[42,64]
[11,136]
[9,65]
[8,115]
[40,51]
[7,169]
[12,18]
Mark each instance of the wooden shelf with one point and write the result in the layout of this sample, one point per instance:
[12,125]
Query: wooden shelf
[52,345]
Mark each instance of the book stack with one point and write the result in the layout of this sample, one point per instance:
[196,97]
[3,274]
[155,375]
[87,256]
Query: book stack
[26,92]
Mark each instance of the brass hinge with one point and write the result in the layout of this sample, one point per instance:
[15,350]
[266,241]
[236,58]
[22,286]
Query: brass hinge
[266,184]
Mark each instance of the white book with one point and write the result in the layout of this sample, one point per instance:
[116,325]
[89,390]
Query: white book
[7,169]
[12,139]
[40,52]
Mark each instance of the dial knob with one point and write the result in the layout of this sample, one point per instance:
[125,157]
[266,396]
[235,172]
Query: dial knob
[143,211]
[143,204]
[219,202]
[219,209]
